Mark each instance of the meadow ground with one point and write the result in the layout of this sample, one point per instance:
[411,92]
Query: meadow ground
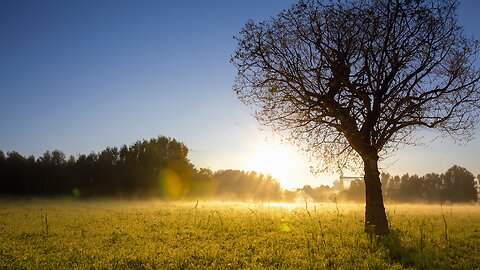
[69,234]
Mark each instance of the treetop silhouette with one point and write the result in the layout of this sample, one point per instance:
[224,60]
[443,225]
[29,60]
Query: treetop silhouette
[353,80]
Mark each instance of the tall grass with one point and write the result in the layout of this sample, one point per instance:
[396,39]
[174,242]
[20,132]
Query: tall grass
[191,235]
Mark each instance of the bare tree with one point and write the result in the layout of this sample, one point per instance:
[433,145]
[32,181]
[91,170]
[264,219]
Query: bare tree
[354,79]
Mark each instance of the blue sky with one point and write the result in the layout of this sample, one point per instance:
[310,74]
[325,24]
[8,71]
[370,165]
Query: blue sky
[82,75]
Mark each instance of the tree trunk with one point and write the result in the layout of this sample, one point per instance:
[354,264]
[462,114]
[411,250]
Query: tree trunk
[375,217]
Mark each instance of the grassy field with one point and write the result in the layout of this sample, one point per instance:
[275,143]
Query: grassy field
[67,234]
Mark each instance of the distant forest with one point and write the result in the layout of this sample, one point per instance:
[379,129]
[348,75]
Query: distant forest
[149,168]
[159,168]
[456,185]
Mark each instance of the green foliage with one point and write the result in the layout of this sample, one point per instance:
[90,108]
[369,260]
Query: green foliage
[160,168]
[150,168]
[162,235]
[131,171]
[239,184]
[456,185]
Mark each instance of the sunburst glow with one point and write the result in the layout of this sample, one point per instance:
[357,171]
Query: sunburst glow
[279,161]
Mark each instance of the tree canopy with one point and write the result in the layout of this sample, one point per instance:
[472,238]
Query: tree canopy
[122,173]
[158,167]
[352,80]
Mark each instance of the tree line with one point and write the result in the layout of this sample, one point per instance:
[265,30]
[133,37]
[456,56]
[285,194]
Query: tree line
[456,185]
[157,167]
[160,168]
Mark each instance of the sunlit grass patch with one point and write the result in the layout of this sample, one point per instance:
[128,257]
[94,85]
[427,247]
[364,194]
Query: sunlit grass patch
[172,235]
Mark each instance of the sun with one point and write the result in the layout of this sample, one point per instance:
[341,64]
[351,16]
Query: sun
[279,161]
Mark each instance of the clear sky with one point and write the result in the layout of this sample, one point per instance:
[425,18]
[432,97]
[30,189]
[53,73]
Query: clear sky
[83,75]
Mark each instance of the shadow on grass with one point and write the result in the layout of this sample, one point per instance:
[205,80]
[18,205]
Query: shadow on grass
[397,251]
[411,254]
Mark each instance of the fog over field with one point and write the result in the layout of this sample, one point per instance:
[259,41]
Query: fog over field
[152,234]
[273,134]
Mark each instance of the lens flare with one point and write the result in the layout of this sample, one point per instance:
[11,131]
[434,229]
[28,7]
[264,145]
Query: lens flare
[76,192]
[285,228]
[169,184]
